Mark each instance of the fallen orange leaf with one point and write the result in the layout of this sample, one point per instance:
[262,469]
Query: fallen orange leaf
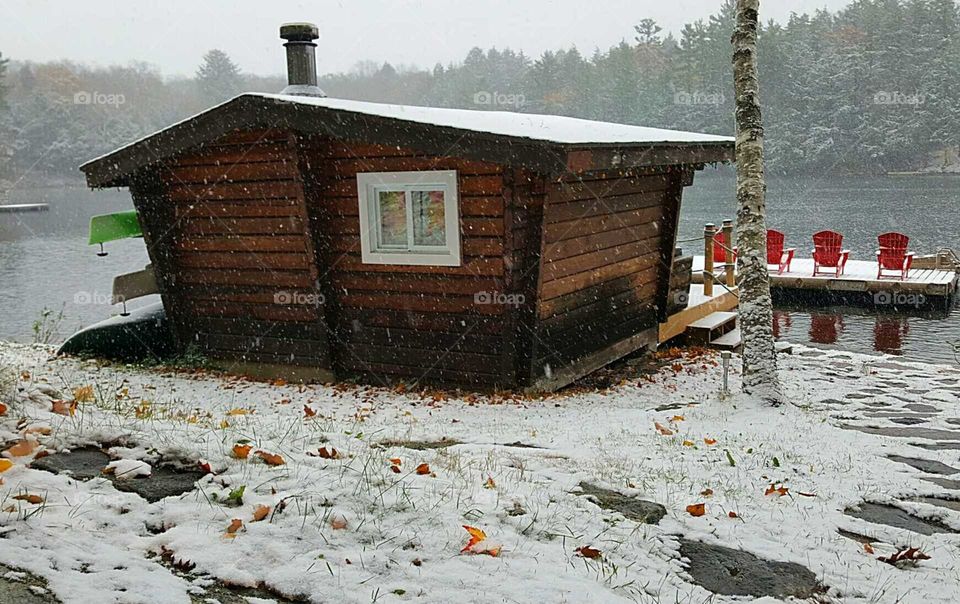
[22,448]
[678,418]
[733,514]
[423,469]
[710,441]
[868,548]
[781,490]
[476,536]
[308,412]
[271,459]
[662,429]
[697,509]
[3,409]
[260,512]
[588,552]
[241,451]
[235,525]
[395,461]
[330,453]
[395,469]
[489,484]
[29,498]
[5,464]
[475,544]
[61,407]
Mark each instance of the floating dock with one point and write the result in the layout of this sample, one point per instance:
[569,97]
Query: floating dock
[24,207]
[857,286]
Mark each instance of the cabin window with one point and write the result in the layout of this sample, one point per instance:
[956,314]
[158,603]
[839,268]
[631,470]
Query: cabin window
[409,218]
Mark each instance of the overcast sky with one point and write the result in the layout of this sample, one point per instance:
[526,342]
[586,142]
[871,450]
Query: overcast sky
[174,34]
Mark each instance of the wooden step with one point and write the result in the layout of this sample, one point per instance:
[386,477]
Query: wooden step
[714,320]
[728,341]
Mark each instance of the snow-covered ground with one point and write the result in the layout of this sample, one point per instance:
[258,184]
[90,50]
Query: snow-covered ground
[348,527]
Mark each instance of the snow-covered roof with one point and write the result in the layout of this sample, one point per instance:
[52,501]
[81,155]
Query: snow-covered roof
[498,136]
[548,128]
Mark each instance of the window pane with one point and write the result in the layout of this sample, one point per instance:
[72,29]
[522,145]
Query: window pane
[393,218]
[429,226]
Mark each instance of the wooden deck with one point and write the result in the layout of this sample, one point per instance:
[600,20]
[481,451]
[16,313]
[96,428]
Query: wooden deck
[860,277]
[698,307]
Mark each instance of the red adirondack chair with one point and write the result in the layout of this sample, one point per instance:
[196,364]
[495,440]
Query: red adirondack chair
[893,256]
[775,252]
[720,251]
[828,253]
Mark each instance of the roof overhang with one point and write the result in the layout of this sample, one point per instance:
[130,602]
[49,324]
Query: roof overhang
[253,112]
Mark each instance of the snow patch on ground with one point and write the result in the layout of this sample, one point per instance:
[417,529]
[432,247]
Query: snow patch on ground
[403,530]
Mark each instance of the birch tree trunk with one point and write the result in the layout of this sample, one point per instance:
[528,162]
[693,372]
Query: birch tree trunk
[756,307]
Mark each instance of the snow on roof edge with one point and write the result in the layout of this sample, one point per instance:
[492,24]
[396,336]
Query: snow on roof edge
[538,127]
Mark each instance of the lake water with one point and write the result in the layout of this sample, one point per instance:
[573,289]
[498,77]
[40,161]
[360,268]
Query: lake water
[45,261]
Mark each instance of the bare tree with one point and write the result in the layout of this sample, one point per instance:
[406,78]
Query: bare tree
[756,306]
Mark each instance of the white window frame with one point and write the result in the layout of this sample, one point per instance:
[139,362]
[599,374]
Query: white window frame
[369,184]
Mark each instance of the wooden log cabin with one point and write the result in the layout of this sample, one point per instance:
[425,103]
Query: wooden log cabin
[317,238]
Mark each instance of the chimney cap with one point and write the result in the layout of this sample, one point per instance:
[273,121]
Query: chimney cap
[299,32]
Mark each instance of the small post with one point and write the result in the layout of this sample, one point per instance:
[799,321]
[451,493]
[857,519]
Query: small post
[730,264]
[708,232]
[725,357]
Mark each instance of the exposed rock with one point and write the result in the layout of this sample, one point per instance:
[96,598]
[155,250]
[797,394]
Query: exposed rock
[84,464]
[421,445]
[733,572]
[924,465]
[895,517]
[19,587]
[639,510]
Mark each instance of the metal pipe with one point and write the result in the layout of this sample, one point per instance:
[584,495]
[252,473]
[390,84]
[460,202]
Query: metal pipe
[301,59]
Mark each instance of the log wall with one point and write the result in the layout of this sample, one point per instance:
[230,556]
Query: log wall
[603,245]
[234,245]
[418,324]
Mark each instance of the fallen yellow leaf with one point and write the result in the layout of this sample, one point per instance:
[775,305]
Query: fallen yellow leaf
[5,464]
[83,394]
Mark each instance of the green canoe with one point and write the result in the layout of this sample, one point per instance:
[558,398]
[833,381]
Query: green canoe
[110,227]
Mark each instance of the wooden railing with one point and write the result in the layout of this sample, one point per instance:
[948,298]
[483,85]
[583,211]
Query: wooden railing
[730,263]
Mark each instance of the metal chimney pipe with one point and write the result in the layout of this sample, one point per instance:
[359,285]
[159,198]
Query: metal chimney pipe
[301,59]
